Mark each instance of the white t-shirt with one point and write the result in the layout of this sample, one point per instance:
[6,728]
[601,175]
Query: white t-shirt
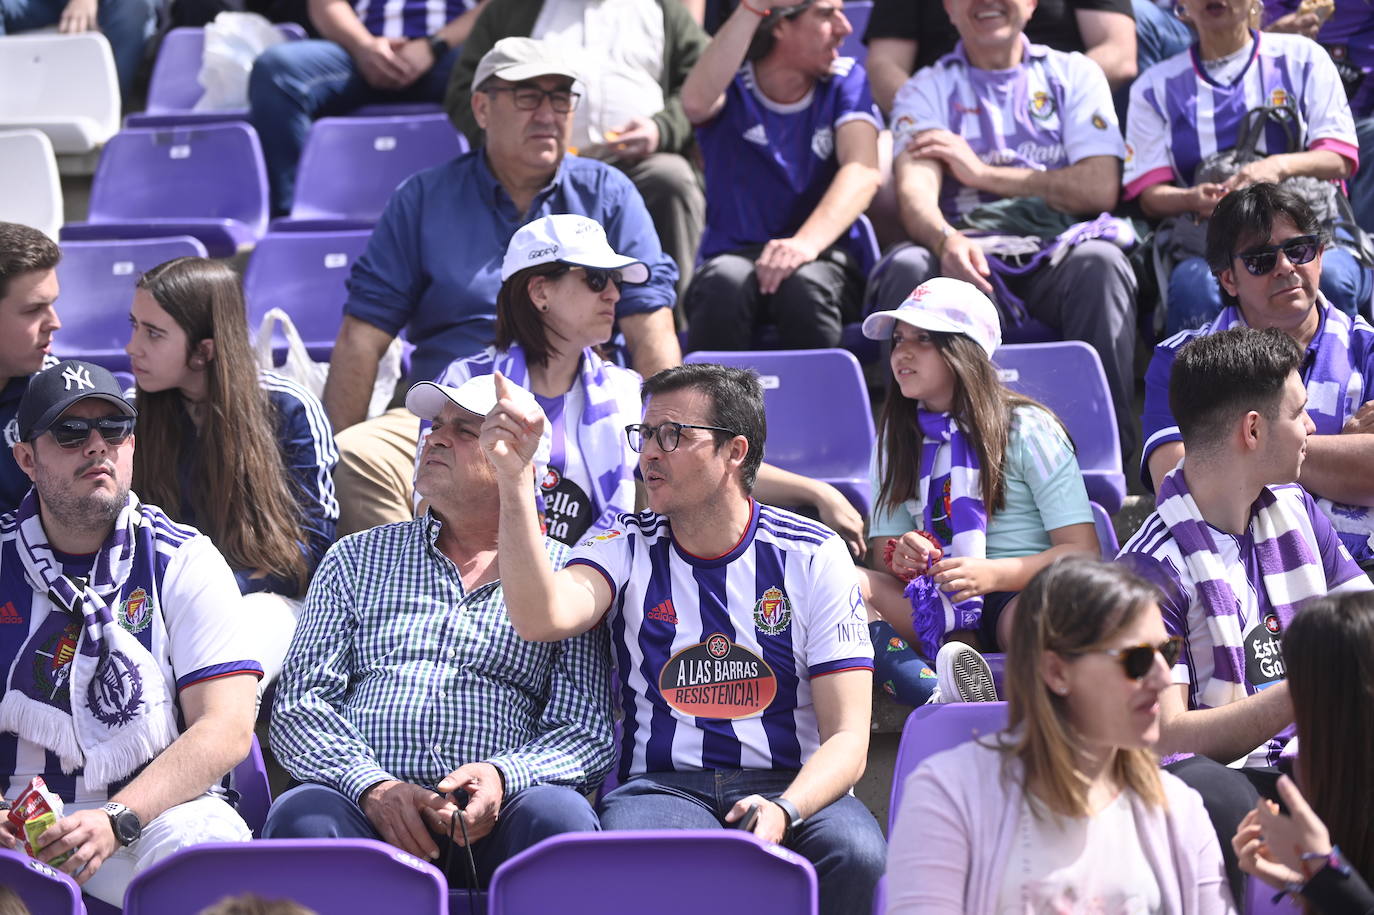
[1070,865]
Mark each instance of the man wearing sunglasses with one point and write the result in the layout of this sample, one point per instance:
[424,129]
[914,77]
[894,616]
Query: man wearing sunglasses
[131,679]
[1236,549]
[1265,245]
[432,267]
[744,664]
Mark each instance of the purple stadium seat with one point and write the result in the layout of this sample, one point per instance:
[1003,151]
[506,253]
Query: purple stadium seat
[933,728]
[174,88]
[327,875]
[880,896]
[97,280]
[351,166]
[1106,531]
[303,273]
[857,12]
[249,779]
[42,888]
[1067,377]
[803,391]
[1259,900]
[207,181]
[591,873]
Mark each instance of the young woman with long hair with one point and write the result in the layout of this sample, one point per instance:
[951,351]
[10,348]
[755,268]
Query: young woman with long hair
[244,455]
[1328,656]
[1066,809]
[976,488]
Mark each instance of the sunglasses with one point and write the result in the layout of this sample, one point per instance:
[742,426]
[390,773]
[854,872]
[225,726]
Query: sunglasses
[1137,660]
[596,280]
[73,431]
[1299,251]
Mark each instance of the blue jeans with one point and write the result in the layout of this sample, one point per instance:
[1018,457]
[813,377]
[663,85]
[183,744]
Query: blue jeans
[126,24]
[1362,185]
[842,841]
[1158,35]
[1195,295]
[312,811]
[297,81]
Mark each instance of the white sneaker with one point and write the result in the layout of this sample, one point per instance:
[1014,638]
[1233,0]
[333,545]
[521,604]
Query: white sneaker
[964,674]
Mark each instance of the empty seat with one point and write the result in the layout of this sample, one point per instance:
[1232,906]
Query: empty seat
[1067,377]
[933,728]
[30,188]
[304,274]
[820,421]
[350,167]
[327,875]
[97,281]
[208,181]
[591,873]
[63,85]
[40,887]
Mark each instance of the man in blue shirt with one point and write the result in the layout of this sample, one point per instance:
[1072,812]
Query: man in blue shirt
[433,265]
[28,288]
[789,134]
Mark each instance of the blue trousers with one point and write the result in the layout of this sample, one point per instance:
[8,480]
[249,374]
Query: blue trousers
[842,841]
[297,81]
[1362,185]
[1195,295]
[1159,35]
[312,811]
[126,24]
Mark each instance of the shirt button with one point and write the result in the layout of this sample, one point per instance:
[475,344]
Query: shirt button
[438,748]
[453,652]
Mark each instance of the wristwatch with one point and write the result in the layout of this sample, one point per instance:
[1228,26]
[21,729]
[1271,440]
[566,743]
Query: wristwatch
[124,822]
[794,817]
[438,47]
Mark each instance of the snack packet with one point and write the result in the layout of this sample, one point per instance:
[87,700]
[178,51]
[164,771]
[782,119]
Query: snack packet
[36,804]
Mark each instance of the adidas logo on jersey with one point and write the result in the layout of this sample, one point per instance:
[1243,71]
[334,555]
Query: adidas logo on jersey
[757,135]
[10,615]
[663,612]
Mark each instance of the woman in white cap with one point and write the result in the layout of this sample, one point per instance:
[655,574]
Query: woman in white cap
[560,284]
[976,488]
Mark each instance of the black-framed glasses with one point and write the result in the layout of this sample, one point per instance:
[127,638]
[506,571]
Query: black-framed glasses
[1299,251]
[668,434]
[1137,660]
[529,98]
[73,431]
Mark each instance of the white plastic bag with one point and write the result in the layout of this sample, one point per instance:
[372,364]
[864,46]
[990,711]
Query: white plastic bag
[308,373]
[232,42]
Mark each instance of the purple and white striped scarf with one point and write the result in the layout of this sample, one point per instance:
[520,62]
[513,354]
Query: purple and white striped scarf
[933,615]
[121,713]
[1290,571]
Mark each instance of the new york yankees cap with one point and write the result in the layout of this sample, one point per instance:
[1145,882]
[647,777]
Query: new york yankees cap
[54,389]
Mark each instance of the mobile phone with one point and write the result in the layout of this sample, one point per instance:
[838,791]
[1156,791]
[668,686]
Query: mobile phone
[746,822]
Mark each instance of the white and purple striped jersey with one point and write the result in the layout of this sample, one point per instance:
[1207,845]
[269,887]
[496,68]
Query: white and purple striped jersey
[180,601]
[784,154]
[1049,112]
[1179,115]
[715,657]
[409,18]
[1154,554]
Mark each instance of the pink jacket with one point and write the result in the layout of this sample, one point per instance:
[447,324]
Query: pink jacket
[959,815]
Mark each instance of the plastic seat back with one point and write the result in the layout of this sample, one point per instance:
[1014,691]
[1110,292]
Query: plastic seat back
[30,187]
[592,873]
[41,888]
[63,85]
[304,274]
[857,12]
[931,729]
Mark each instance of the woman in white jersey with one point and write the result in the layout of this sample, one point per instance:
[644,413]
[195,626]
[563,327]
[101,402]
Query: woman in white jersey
[1192,105]
[560,285]
[975,489]
[1067,809]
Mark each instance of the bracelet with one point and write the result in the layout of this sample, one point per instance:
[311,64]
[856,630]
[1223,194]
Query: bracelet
[757,12]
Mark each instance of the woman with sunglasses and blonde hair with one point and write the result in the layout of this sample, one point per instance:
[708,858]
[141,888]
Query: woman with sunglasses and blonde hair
[1066,810]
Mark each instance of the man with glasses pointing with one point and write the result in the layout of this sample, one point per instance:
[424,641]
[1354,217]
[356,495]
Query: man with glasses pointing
[744,668]
[1265,245]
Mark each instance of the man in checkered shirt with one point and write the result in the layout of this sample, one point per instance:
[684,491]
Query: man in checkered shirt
[408,691]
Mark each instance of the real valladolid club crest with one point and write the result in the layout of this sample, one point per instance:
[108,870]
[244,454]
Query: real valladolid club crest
[136,611]
[773,612]
[1041,105]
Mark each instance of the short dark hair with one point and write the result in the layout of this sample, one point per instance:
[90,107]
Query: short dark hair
[764,39]
[517,318]
[1218,377]
[1250,213]
[736,404]
[24,250]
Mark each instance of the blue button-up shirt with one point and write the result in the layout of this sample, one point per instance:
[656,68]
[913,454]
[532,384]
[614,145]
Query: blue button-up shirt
[398,672]
[433,264]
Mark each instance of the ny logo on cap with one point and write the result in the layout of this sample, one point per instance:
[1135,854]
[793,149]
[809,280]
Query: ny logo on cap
[78,375]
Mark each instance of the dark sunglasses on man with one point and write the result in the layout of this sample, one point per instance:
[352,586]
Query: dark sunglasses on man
[1299,251]
[72,431]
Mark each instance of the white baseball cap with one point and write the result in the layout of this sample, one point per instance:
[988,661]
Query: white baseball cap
[517,59]
[944,305]
[570,239]
[476,395]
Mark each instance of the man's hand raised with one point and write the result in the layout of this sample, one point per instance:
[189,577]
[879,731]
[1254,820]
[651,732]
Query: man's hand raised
[510,434]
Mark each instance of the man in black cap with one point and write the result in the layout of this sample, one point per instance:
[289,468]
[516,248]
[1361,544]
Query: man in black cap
[116,626]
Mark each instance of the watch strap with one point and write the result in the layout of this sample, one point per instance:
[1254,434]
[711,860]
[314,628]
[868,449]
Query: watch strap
[794,817]
[438,47]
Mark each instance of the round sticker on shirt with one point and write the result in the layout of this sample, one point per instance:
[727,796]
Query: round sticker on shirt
[567,510]
[717,678]
[1263,655]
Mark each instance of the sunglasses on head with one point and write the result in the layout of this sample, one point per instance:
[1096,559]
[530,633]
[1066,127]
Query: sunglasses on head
[1299,251]
[1137,660]
[73,431]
